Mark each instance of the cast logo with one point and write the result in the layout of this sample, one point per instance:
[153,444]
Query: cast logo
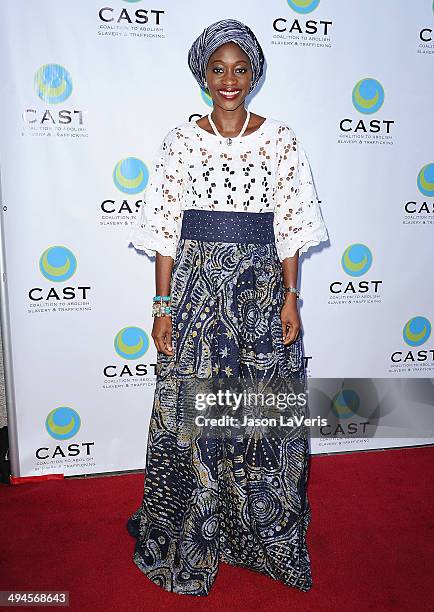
[368,98]
[130,175]
[53,83]
[141,16]
[345,404]
[63,423]
[344,412]
[130,343]
[425,180]
[415,333]
[356,261]
[419,211]
[298,27]
[57,264]
[303,6]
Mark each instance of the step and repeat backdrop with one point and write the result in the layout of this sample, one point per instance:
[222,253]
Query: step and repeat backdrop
[89,89]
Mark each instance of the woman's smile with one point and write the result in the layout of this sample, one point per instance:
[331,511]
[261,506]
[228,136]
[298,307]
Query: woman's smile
[229,94]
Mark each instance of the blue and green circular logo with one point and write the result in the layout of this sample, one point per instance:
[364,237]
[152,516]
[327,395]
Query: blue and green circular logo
[57,263]
[131,175]
[368,96]
[303,6]
[132,0]
[131,342]
[416,331]
[425,180]
[206,97]
[53,83]
[345,404]
[63,423]
[356,259]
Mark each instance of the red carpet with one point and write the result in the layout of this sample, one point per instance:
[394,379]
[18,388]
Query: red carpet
[370,542]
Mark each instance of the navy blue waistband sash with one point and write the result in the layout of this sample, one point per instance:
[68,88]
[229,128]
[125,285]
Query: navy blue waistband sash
[227,226]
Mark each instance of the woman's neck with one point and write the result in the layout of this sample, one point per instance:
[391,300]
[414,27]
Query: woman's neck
[227,122]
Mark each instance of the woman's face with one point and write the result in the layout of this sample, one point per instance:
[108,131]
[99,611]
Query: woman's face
[229,75]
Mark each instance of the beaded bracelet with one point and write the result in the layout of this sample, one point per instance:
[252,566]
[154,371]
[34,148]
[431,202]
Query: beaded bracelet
[161,306]
[291,290]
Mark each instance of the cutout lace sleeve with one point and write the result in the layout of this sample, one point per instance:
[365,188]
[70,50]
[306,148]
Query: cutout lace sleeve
[298,221]
[158,222]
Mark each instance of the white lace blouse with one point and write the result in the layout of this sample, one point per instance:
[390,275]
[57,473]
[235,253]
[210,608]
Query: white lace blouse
[266,170]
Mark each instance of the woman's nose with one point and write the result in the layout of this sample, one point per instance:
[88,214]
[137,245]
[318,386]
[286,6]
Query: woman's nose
[230,77]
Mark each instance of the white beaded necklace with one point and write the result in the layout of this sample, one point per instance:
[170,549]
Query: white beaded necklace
[229,140]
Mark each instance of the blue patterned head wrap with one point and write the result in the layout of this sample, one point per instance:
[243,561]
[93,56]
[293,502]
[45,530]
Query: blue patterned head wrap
[217,34]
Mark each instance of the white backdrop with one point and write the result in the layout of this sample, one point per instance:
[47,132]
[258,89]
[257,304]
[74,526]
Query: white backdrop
[92,87]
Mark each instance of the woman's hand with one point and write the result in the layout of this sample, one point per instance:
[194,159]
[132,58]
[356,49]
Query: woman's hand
[162,334]
[162,327]
[290,319]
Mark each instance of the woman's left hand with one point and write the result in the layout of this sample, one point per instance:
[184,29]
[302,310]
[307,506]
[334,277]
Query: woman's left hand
[290,319]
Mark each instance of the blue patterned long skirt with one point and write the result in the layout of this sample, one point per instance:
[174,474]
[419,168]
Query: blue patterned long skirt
[240,499]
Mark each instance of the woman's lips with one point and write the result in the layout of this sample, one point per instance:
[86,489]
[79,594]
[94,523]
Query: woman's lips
[228,94]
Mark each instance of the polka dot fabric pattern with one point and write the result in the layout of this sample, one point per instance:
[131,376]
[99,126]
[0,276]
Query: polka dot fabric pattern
[227,226]
[265,171]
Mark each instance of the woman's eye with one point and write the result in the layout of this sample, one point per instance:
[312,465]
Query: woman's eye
[242,70]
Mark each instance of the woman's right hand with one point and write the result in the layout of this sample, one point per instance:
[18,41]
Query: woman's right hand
[162,334]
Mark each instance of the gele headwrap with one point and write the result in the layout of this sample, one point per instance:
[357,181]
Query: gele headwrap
[217,34]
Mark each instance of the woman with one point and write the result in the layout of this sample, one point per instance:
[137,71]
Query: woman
[230,204]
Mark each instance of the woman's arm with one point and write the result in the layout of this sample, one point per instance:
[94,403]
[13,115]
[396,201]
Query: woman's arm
[289,314]
[162,327]
[158,225]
